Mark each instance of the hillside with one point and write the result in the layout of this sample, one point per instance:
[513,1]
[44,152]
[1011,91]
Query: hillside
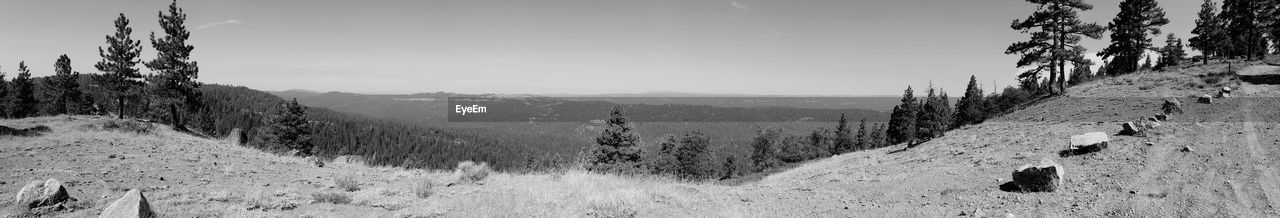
[1229,170]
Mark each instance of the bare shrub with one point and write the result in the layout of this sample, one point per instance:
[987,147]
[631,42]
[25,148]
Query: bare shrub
[334,198]
[424,188]
[347,183]
[470,172]
[130,126]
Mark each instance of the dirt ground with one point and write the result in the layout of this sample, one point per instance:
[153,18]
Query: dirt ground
[1229,169]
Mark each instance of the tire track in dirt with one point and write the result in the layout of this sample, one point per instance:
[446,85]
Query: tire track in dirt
[1266,176]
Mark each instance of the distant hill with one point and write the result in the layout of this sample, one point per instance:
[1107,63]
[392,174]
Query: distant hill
[380,141]
[433,107]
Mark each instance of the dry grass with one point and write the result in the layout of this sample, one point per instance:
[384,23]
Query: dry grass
[347,183]
[471,172]
[334,198]
[424,188]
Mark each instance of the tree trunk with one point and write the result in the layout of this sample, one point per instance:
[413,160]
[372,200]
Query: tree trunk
[175,119]
[119,107]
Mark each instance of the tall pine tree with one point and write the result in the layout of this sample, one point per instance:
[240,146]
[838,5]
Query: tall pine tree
[62,90]
[1209,31]
[902,122]
[843,141]
[969,110]
[4,96]
[618,146]
[1054,42]
[1172,54]
[119,59]
[174,86]
[1243,27]
[1130,31]
[861,141]
[23,99]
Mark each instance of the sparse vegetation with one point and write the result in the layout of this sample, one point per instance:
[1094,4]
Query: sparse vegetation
[347,183]
[471,172]
[331,197]
[424,188]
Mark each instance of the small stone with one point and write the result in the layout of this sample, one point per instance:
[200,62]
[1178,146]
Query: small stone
[1205,99]
[1186,149]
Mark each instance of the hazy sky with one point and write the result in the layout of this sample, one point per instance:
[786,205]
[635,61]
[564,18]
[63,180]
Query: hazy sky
[790,47]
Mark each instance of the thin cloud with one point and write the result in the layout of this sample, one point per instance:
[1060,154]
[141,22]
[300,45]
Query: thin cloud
[220,23]
[739,6]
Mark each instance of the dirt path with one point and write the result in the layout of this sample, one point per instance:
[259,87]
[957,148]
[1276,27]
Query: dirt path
[1266,174]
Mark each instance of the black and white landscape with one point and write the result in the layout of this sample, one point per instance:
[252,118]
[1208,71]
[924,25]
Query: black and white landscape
[640,108]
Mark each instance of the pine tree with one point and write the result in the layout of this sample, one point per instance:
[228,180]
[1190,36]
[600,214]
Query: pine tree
[23,99]
[1102,69]
[1172,54]
[1129,34]
[879,137]
[1209,31]
[1242,27]
[4,96]
[288,129]
[902,122]
[969,110]
[1058,31]
[946,114]
[843,141]
[62,90]
[174,83]
[1081,71]
[120,77]
[617,147]
[861,141]
[691,155]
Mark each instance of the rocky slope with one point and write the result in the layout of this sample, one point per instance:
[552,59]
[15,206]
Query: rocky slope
[1229,169]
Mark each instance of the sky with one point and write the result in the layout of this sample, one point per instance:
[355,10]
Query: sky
[770,47]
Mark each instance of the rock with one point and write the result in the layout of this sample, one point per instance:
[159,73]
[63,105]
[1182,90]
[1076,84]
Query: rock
[1128,129]
[1186,149]
[1171,106]
[1205,99]
[1093,141]
[1162,117]
[132,204]
[1044,177]
[1153,119]
[37,194]
[29,194]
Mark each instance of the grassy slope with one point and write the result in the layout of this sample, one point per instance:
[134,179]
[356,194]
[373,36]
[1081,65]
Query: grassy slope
[1228,174]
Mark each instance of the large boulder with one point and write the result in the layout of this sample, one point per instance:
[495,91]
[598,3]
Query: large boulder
[1043,177]
[1093,141]
[132,204]
[36,194]
[1171,106]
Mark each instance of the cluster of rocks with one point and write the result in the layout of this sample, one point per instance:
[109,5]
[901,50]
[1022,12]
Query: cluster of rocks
[52,195]
[1225,92]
